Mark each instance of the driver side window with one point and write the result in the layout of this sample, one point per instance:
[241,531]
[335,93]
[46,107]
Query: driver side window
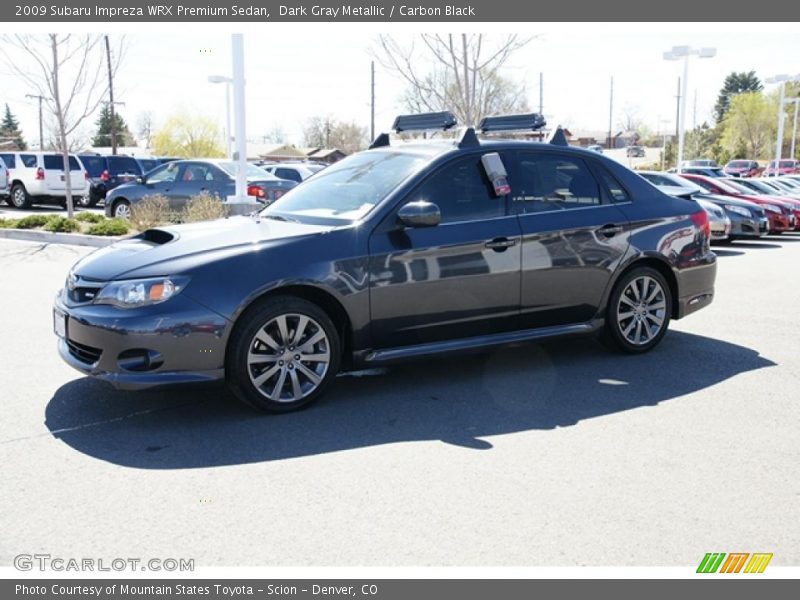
[166,174]
[462,191]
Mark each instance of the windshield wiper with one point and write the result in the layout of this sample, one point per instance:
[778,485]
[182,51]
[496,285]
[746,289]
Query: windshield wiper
[280,218]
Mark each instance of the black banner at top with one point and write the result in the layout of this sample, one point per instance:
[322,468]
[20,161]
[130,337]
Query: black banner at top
[516,11]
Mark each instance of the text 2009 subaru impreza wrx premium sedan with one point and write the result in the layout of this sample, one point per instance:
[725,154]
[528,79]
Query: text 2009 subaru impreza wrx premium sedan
[397,252]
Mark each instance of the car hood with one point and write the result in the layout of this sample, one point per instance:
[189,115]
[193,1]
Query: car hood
[190,244]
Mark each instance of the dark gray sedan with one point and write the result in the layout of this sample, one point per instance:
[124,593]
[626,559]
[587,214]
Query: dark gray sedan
[180,180]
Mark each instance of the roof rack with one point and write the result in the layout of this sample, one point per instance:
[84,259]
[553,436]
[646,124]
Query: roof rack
[425,122]
[525,122]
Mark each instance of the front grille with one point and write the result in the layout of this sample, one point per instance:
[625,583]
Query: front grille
[83,353]
[80,290]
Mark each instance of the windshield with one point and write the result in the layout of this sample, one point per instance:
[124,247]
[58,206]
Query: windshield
[349,189]
[252,172]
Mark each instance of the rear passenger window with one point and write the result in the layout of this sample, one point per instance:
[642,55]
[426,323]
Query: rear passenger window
[548,182]
[10,160]
[123,165]
[462,192]
[28,160]
[617,192]
[56,162]
[290,174]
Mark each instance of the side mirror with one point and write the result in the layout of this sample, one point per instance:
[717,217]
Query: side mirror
[419,214]
[140,180]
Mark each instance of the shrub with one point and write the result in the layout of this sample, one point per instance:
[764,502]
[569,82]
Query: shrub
[8,223]
[203,207]
[62,225]
[34,221]
[110,227]
[89,217]
[151,211]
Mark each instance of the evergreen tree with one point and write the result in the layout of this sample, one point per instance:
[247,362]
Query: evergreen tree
[735,83]
[103,136]
[9,130]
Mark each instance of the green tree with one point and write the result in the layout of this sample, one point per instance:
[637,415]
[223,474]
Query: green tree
[103,136]
[750,125]
[735,83]
[10,131]
[188,136]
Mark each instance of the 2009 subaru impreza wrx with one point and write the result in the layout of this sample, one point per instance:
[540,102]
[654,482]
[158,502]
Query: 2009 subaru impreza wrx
[401,251]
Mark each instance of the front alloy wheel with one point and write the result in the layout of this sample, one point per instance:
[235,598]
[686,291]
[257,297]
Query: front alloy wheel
[283,355]
[639,311]
[122,210]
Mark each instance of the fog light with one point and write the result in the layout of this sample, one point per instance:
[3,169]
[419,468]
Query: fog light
[139,360]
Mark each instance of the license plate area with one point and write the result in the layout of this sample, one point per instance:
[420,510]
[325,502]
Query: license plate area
[60,324]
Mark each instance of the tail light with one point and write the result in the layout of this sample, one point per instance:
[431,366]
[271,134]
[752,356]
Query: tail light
[103,176]
[40,173]
[700,219]
[254,190]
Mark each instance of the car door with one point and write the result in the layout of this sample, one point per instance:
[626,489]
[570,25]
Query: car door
[194,179]
[574,237]
[460,278]
[162,181]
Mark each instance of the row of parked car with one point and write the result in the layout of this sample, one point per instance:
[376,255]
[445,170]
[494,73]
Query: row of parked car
[740,168]
[738,208]
[28,178]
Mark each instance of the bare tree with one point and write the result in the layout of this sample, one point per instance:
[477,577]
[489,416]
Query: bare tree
[631,119]
[144,127]
[67,71]
[464,77]
[326,132]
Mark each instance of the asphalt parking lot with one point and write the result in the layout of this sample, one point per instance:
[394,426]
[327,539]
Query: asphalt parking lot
[549,454]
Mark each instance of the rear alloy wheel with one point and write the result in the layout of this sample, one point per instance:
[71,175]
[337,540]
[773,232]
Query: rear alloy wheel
[85,201]
[20,197]
[121,209]
[639,311]
[283,355]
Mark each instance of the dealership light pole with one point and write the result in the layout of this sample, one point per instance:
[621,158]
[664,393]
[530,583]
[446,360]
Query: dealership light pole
[240,135]
[796,102]
[781,80]
[228,82]
[677,53]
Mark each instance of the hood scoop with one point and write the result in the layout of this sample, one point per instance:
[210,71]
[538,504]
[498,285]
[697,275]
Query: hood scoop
[158,237]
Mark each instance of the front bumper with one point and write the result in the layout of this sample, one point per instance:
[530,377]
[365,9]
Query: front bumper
[744,228]
[179,341]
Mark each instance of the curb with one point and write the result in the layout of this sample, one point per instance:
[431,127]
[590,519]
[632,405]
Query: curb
[48,237]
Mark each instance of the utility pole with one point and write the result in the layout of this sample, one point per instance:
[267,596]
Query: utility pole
[610,113]
[694,110]
[541,93]
[41,129]
[794,127]
[111,99]
[372,102]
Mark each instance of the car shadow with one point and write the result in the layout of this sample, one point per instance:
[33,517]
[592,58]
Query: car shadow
[458,401]
[755,245]
[724,252]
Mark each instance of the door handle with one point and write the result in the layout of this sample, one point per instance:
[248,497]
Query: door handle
[500,244]
[610,230]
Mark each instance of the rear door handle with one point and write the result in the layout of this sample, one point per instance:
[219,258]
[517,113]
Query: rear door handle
[500,244]
[610,230]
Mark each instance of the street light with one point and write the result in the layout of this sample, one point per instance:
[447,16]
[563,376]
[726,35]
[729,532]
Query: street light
[781,79]
[228,81]
[684,52]
[796,102]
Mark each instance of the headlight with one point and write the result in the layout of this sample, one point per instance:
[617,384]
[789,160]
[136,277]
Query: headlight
[772,208]
[134,293]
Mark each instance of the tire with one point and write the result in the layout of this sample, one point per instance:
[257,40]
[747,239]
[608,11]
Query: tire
[121,209]
[278,379]
[20,197]
[634,326]
[86,201]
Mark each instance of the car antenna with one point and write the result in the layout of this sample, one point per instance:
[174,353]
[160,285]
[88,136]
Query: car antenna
[381,141]
[558,137]
[469,139]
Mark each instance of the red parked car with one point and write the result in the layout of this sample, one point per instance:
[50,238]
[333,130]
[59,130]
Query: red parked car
[787,166]
[742,168]
[764,188]
[779,214]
